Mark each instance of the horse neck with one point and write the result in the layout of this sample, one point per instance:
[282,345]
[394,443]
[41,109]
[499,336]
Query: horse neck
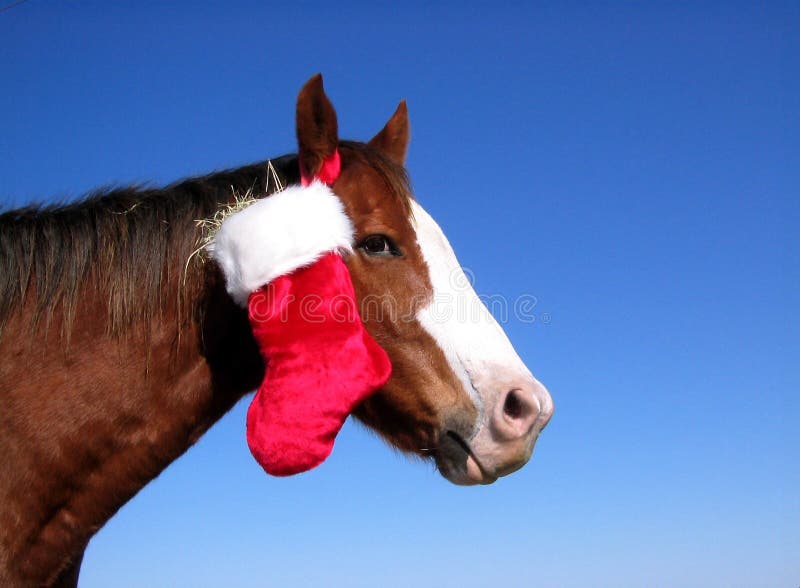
[85,425]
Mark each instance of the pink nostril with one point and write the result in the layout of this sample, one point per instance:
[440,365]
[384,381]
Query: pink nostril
[514,407]
[519,411]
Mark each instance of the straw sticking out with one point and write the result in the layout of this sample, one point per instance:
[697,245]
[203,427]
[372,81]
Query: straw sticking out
[210,226]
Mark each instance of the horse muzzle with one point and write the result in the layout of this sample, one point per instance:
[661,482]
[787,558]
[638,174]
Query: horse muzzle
[502,440]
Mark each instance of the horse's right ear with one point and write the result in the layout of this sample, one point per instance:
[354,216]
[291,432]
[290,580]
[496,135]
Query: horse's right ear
[393,138]
[317,129]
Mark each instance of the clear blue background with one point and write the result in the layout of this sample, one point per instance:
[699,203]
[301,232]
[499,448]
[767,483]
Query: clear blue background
[632,165]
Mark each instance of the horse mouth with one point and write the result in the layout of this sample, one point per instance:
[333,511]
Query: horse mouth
[459,464]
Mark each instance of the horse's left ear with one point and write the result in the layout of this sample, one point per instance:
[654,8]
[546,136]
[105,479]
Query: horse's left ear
[317,129]
[393,138]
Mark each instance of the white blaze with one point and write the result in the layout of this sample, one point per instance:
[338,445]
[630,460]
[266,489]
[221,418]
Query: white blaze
[475,345]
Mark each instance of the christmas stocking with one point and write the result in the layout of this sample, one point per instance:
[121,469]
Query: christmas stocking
[281,257]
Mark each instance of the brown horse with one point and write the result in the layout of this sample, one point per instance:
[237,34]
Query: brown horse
[119,348]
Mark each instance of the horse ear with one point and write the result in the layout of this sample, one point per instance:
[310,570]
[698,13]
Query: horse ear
[317,129]
[393,138]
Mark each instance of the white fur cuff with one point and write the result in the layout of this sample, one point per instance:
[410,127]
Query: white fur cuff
[279,234]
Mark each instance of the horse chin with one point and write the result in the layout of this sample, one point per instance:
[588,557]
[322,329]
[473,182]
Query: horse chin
[458,464]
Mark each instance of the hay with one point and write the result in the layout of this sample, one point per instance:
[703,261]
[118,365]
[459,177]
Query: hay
[209,226]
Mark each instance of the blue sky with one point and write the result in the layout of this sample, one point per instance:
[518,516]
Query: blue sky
[634,167]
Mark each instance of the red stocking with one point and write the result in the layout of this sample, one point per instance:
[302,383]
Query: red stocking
[278,257]
[321,363]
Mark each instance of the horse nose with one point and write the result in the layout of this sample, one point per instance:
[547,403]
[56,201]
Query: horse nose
[522,412]
[506,433]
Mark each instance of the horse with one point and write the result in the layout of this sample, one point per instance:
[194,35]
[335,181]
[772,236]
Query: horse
[119,348]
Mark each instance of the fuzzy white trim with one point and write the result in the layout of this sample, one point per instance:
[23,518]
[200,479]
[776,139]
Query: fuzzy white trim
[279,234]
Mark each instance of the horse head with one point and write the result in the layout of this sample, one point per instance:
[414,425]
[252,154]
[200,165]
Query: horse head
[458,393]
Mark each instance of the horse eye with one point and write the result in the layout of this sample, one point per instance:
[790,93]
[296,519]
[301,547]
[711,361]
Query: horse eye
[379,245]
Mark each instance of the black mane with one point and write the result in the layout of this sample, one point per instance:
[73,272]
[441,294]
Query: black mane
[131,241]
